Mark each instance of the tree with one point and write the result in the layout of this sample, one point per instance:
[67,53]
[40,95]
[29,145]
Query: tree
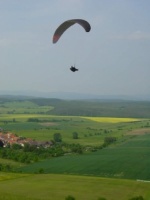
[109,140]
[16,146]
[57,137]
[75,135]
[76,148]
[1,143]
[33,120]
[41,170]
[137,198]
[26,147]
[69,198]
[14,120]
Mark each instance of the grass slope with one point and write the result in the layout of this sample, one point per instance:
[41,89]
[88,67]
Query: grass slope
[57,187]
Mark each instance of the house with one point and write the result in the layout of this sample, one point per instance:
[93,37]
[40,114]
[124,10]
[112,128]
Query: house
[10,139]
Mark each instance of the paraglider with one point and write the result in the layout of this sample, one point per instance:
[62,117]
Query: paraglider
[64,26]
[73,69]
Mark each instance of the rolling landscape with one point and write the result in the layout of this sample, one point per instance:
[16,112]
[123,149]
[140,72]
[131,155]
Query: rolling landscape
[74,100]
[77,149]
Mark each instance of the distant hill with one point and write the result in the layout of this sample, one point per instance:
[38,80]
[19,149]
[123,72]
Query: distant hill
[99,108]
[87,107]
[73,95]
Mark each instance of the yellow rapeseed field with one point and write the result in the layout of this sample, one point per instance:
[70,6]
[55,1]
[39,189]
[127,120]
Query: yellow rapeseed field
[111,119]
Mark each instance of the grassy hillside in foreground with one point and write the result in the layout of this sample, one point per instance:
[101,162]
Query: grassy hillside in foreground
[57,187]
[129,159]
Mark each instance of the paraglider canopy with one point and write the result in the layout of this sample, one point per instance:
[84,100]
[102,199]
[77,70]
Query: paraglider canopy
[65,25]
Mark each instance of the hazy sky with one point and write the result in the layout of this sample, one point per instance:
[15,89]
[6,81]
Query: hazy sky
[113,58]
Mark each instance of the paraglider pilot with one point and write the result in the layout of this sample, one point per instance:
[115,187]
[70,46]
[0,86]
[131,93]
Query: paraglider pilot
[73,69]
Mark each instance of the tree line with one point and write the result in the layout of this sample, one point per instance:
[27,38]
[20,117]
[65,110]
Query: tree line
[103,198]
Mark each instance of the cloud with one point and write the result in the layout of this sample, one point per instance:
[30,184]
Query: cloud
[136,35]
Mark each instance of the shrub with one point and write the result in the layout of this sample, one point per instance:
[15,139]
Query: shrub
[69,198]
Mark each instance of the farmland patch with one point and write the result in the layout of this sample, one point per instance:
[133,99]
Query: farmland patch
[48,124]
[111,119]
[140,131]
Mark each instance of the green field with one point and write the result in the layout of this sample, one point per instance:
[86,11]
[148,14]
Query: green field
[25,107]
[129,159]
[57,187]
[90,132]
[111,119]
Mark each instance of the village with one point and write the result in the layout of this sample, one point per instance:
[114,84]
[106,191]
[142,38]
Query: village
[8,139]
